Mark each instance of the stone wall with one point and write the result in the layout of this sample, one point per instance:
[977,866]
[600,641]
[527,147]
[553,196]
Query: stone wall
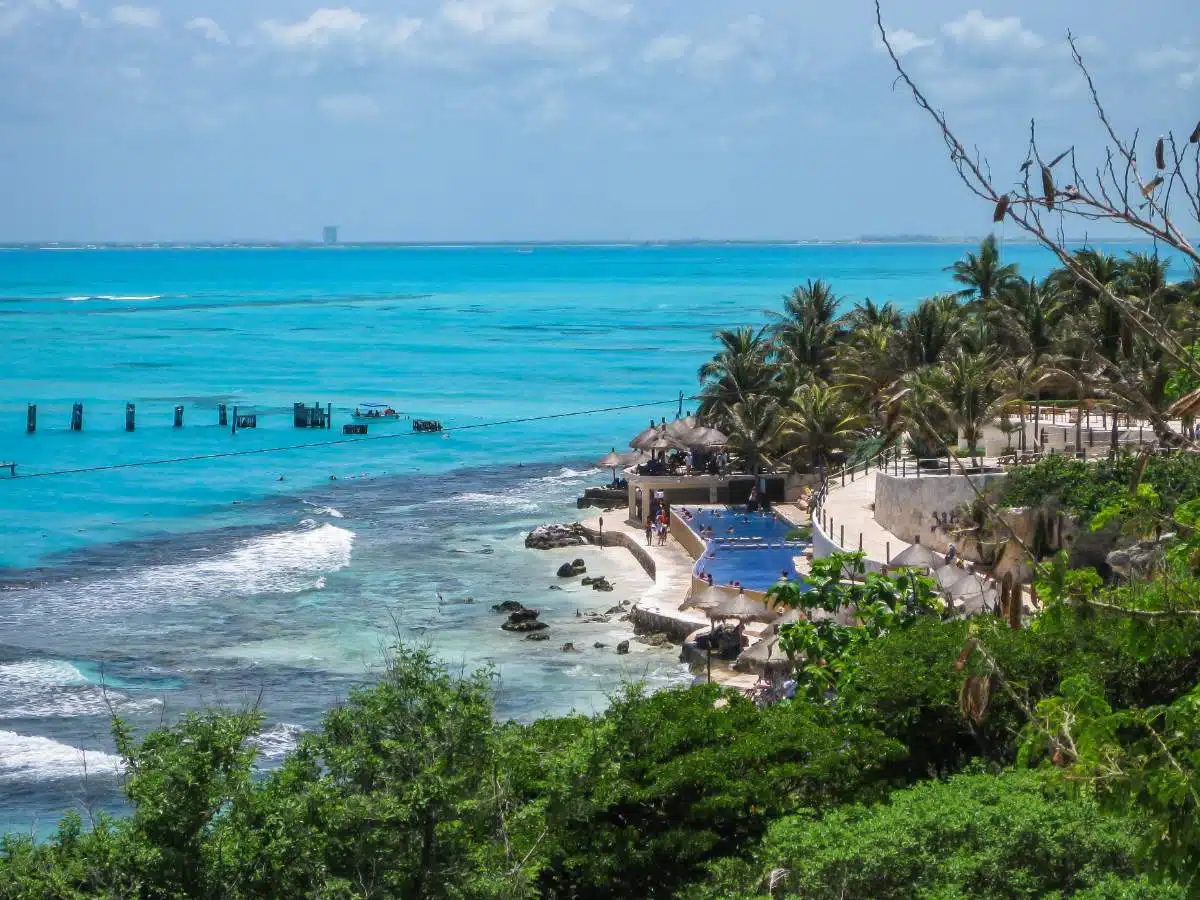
[928,507]
[825,546]
[688,539]
[620,539]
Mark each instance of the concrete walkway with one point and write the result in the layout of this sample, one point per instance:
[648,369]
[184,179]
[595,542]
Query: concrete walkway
[673,572]
[852,508]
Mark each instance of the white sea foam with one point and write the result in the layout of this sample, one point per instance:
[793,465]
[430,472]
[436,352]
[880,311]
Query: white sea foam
[40,672]
[128,297]
[325,510]
[286,562]
[276,743]
[54,689]
[566,475]
[496,501]
[27,757]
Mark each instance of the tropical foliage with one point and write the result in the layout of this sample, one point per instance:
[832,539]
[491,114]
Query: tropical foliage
[824,376]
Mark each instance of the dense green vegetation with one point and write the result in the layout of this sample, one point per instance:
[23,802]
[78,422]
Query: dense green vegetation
[823,381]
[932,769]
[1084,489]
[924,756]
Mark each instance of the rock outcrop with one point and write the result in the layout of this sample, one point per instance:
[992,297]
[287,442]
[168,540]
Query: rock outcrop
[573,569]
[554,537]
[524,621]
[1141,559]
[622,648]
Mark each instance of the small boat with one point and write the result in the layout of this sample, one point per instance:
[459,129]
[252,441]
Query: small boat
[376,412]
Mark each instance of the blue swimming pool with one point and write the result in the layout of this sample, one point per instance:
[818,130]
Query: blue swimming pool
[749,548]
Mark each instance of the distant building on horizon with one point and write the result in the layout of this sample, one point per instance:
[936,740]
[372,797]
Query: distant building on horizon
[331,234]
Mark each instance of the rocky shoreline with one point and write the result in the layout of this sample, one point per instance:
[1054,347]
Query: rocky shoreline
[565,535]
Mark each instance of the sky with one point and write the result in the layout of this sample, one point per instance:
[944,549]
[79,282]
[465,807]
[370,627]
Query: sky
[474,120]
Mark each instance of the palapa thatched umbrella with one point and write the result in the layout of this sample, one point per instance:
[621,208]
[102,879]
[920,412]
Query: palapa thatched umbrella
[765,657]
[917,556]
[681,427]
[705,437]
[1186,406]
[743,608]
[977,602]
[645,436]
[949,575]
[611,461]
[704,598]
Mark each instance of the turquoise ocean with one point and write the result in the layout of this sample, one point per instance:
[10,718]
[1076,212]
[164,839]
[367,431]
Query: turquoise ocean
[218,582]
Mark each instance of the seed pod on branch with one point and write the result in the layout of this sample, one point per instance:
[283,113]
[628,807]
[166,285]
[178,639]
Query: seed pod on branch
[1054,162]
[1160,155]
[1195,138]
[1152,186]
[1001,209]
[1048,187]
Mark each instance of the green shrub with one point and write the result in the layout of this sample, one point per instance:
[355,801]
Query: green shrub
[982,836]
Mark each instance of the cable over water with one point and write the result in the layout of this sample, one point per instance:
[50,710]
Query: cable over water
[109,467]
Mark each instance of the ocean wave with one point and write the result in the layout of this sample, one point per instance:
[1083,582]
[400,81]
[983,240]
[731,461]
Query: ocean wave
[27,757]
[495,501]
[325,510]
[276,743]
[283,562]
[55,689]
[566,475]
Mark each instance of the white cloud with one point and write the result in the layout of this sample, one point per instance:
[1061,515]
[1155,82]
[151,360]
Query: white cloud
[210,29]
[977,29]
[667,48]
[1168,57]
[904,41]
[402,31]
[135,16]
[318,29]
[526,21]
[731,44]
[349,107]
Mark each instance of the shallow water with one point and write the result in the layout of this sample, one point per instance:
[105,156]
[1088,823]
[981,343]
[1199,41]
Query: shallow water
[216,581]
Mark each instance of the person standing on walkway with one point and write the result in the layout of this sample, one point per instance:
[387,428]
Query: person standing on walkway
[602,532]
[649,532]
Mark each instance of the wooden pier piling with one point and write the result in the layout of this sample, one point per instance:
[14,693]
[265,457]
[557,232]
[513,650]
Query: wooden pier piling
[315,416]
[31,419]
[222,416]
[129,416]
[77,417]
[179,417]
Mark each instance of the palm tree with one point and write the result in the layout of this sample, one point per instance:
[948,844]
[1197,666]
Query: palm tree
[930,329]
[754,426]
[982,275]
[967,389]
[1143,275]
[818,422]
[807,333]
[869,314]
[738,370]
[1028,315]
[1101,267]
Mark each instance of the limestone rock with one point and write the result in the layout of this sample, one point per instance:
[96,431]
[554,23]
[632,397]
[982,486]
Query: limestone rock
[569,647]
[654,640]
[622,648]
[552,537]
[599,646]
[1141,559]
[538,636]
[525,627]
[508,606]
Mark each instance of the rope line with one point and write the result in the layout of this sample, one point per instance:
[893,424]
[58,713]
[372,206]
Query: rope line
[338,442]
